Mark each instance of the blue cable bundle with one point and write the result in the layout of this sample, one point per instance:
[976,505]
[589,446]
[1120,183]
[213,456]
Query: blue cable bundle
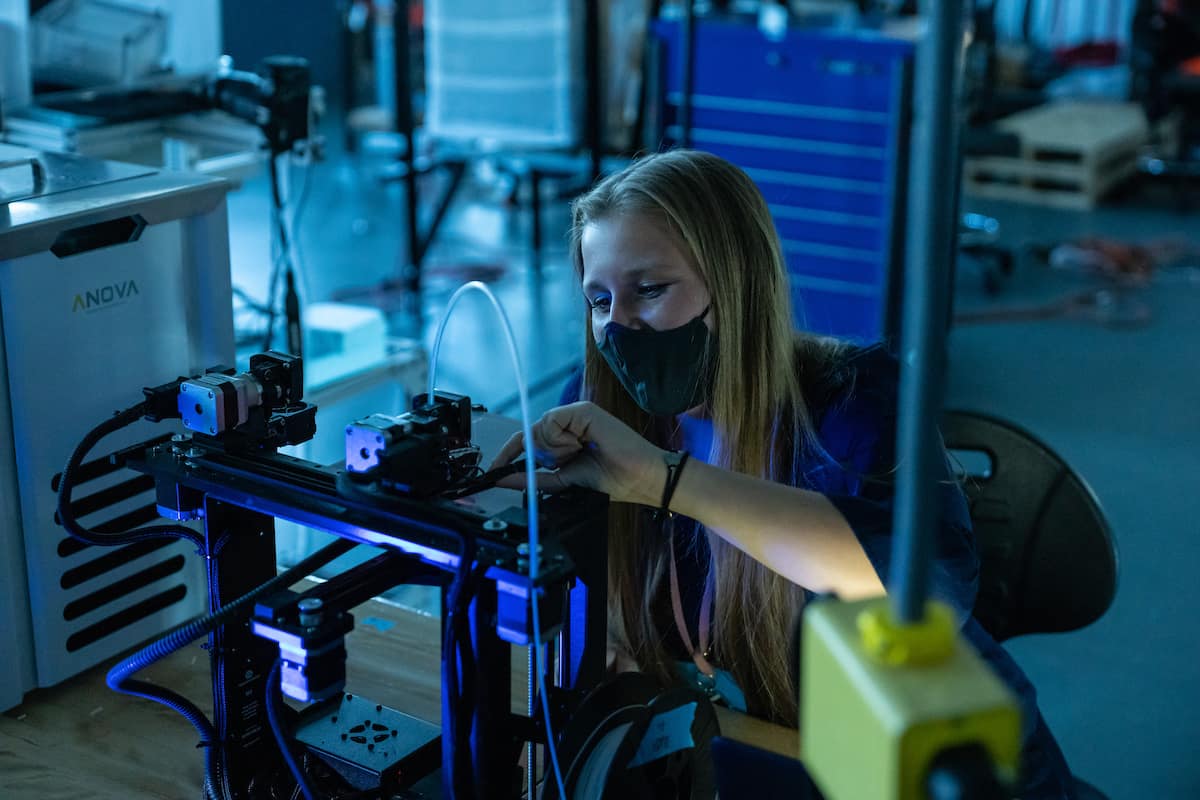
[120,676]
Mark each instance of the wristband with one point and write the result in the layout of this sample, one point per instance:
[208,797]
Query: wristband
[675,461]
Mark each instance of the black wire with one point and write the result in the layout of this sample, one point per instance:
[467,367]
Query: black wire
[277,204]
[283,263]
[287,263]
[302,198]
[66,514]
[251,303]
[485,480]
[120,677]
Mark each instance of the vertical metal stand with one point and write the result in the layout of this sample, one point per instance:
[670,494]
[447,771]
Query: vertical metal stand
[593,132]
[687,35]
[893,285]
[531,666]
[492,739]
[349,41]
[585,631]
[535,222]
[241,557]
[405,126]
[931,202]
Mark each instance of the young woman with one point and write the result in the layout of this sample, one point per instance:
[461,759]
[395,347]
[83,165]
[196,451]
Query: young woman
[749,466]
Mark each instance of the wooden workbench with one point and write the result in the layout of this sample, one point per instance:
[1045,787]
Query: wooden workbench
[81,740]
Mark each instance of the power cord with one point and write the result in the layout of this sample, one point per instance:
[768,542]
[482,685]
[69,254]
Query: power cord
[66,514]
[284,263]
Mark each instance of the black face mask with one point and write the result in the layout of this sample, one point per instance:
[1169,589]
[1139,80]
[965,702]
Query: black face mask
[665,372]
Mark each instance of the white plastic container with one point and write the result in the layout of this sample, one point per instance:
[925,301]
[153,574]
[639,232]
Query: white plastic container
[96,42]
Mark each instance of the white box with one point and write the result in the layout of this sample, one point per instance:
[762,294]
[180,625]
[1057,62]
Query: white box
[84,324]
[340,340]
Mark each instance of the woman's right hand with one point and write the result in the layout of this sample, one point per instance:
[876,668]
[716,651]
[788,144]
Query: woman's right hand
[591,448]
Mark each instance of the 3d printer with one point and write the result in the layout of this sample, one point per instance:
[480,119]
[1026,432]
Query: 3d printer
[412,486]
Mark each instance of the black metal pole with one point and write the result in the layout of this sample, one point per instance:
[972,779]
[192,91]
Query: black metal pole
[239,659]
[593,119]
[349,41]
[405,126]
[687,49]
[931,205]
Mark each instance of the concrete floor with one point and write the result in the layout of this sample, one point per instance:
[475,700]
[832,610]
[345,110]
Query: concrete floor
[1119,404]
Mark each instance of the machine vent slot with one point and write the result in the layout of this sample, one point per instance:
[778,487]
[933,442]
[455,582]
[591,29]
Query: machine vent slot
[126,617]
[90,470]
[106,563]
[110,496]
[101,234]
[70,546]
[139,516]
[77,608]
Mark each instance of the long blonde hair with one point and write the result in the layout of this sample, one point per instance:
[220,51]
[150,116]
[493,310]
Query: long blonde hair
[761,423]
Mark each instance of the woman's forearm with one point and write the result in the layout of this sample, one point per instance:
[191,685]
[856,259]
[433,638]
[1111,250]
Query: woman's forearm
[797,533]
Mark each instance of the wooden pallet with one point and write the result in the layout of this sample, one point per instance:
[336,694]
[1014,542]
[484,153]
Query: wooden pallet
[1072,155]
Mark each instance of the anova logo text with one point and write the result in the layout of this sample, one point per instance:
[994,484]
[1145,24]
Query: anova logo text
[104,296]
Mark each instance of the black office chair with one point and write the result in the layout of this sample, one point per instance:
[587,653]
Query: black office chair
[1048,561]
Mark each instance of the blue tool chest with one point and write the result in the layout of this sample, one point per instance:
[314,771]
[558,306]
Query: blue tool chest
[819,119]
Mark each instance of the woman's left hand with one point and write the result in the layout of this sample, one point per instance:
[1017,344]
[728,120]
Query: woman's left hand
[593,449]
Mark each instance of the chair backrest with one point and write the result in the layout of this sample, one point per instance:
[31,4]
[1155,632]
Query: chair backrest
[1048,559]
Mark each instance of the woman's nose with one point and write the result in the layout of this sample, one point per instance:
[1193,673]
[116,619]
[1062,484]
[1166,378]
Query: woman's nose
[623,314]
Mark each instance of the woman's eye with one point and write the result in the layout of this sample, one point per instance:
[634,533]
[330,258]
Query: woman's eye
[600,303]
[651,290]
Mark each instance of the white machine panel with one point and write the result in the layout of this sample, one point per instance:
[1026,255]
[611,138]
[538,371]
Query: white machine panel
[90,316]
[17,674]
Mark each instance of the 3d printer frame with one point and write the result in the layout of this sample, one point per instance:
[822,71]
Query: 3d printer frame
[238,493]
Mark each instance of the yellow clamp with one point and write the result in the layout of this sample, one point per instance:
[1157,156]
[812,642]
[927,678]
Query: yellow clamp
[927,641]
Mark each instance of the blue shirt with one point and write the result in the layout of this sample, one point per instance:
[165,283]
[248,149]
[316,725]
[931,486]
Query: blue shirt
[855,422]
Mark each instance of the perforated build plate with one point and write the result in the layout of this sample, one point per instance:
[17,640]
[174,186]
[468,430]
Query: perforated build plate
[370,744]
